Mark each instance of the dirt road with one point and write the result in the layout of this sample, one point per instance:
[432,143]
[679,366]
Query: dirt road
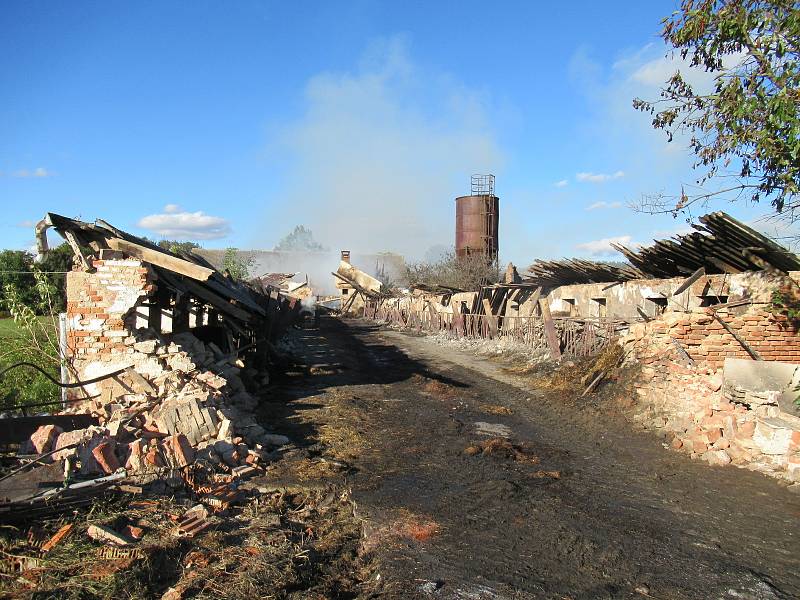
[560,505]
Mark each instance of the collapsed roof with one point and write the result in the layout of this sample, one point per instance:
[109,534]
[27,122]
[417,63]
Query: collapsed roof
[553,273]
[720,244]
[184,273]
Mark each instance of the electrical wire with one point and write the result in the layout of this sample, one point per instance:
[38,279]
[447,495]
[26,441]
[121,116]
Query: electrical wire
[51,403]
[58,383]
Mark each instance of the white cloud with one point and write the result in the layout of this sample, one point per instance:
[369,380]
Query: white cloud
[26,224]
[379,150]
[599,177]
[562,183]
[38,172]
[182,225]
[603,247]
[655,72]
[604,204]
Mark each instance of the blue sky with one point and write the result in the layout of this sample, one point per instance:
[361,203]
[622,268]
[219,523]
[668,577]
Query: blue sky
[229,123]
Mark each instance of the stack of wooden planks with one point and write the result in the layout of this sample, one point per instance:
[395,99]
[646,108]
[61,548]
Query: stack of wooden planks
[720,244]
[553,273]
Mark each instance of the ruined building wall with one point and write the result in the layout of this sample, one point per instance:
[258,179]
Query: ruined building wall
[102,314]
[694,402]
[680,352]
[183,399]
[653,296]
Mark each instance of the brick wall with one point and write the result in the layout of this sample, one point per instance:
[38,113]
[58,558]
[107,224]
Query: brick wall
[101,321]
[691,404]
[708,343]
[100,307]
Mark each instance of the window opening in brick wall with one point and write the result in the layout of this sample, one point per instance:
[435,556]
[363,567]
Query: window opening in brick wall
[656,305]
[601,306]
[712,300]
[570,306]
[345,291]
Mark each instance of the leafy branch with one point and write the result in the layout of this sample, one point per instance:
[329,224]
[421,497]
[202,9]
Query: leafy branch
[752,116]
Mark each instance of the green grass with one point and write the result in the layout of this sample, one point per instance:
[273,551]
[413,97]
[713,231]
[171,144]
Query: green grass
[8,329]
[25,386]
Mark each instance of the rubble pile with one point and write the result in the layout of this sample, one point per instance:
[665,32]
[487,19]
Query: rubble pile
[179,402]
[693,390]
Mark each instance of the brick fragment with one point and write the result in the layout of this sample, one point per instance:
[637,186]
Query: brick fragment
[42,440]
[104,454]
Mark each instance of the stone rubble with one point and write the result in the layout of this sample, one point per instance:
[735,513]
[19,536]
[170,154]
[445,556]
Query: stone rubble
[705,413]
[193,406]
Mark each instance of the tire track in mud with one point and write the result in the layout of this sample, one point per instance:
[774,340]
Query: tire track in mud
[625,518]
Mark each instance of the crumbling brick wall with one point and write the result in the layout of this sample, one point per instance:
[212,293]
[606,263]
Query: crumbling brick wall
[707,341]
[183,399]
[101,314]
[689,401]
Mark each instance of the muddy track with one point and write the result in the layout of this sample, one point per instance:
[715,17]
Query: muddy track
[588,509]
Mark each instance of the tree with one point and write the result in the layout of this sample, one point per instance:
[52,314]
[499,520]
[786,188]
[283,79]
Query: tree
[237,266]
[54,266]
[465,273]
[178,247]
[745,132]
[300,239]
[15,272]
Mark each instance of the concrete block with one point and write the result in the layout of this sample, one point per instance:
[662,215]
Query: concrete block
[100,533]
[225,430]
[717,457]
[758,376]
[773,435]
[146,347]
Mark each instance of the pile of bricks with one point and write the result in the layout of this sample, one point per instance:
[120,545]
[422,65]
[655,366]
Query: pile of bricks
[184,401]
[682,390]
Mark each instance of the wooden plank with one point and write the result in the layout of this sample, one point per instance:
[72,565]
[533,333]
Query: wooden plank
[550,329]
[690,280]
[490,318]
[431,309]
[458,319]
[227,289]
[171,263]
[156,309]
[751,351]
[533,301]
[180,313]
[682,351]
[209,297]
[74,243]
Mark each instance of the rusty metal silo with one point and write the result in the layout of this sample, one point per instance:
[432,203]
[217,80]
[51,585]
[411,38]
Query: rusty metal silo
[477,218]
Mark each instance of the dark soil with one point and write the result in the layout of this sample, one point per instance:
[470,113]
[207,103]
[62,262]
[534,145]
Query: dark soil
[576,505]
